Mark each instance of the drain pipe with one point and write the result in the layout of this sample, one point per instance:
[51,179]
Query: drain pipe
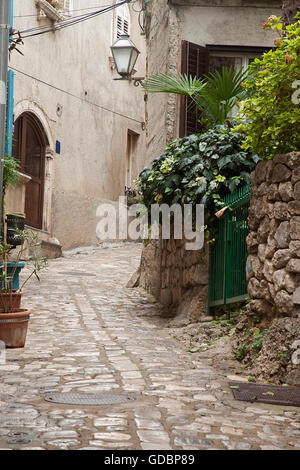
[4,44]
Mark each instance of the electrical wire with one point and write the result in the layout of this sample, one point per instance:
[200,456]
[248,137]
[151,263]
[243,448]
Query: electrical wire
[79,9]
[75,96]
[67,21]
[70,22]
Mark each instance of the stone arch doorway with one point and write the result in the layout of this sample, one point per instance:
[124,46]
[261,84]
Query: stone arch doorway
[29,147]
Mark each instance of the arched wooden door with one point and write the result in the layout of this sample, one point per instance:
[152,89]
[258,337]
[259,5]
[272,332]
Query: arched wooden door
[29,146]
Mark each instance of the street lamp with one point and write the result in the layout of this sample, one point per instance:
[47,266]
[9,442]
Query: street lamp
[125,55]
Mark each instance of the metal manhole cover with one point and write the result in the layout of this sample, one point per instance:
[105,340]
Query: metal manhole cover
[88,399]
[76,273]
[272,394]
[18,437]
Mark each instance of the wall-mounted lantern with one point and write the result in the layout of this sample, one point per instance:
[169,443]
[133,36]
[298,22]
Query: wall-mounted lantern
[125,55]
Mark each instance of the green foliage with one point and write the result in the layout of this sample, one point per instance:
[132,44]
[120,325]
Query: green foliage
[10,171]
[179,84]
[241,352]
[215,95]
[223,91]
[28,241]
[270,119]
[281,356]
[258,337]
[198,169]
[253,344]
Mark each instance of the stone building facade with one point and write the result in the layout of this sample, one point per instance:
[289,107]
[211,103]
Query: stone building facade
[87,128]
[216,32]
[225,32]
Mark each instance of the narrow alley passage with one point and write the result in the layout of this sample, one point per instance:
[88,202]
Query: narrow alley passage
[88,333]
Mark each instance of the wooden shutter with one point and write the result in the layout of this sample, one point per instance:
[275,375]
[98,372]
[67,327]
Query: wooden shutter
[68,5]
[194,62]
[122,21]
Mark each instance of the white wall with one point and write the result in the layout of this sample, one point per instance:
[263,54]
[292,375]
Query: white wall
[71,68]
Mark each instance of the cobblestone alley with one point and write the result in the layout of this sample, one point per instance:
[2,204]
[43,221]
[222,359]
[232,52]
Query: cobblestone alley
[88,333]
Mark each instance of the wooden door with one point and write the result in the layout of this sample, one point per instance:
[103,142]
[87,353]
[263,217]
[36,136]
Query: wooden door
[29,147]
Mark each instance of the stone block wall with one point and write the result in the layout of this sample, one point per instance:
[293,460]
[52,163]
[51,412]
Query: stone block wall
[273,265]
[176,277]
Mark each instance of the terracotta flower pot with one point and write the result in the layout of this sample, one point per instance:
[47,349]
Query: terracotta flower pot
[10,301]
[13,328]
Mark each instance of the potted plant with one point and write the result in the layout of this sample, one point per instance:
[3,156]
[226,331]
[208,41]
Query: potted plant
[55,4]
[13,318]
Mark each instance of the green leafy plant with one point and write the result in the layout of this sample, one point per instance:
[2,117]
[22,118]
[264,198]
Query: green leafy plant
[198,169]
[28,241]
[258,337]
[281,356]
[270,119]
[56,5]
[215,94]
[242,351]
[10,178]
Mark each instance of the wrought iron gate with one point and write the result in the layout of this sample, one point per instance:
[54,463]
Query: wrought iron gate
[228,254]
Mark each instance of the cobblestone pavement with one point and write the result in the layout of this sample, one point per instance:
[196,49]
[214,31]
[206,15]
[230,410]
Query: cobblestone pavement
[88,333]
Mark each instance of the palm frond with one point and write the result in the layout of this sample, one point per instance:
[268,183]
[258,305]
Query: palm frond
[221,93]
[226,84]
[216,94]
[175,83]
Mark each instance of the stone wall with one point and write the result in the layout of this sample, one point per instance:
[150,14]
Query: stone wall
[273,265]
[177,278]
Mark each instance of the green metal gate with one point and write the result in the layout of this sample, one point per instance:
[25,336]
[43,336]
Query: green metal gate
[228,254]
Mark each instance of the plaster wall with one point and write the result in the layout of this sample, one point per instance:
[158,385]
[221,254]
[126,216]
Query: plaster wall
[231,25]
[70,70]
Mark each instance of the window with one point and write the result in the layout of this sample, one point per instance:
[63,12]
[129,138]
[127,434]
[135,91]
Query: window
[122,21]
[132,140]
[55,10]
[199,61]
[195,62]
[68,7]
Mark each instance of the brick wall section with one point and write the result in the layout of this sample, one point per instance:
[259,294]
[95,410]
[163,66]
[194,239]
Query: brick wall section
[273,265]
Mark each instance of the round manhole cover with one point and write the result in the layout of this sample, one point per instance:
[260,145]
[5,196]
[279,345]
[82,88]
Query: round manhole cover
[18,437]
[88,399]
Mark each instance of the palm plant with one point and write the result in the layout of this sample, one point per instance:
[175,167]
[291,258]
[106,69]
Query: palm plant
[215,94]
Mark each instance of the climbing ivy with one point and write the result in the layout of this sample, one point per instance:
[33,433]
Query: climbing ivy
[198,169]
[270,119]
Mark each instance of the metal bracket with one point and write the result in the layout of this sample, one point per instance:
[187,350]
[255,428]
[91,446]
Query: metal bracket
[138,80]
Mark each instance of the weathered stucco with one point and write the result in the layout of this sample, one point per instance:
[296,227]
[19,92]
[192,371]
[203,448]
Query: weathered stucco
[71,69]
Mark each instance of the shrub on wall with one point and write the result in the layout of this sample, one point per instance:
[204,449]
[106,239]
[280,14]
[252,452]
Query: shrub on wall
[198,169]
[270,119]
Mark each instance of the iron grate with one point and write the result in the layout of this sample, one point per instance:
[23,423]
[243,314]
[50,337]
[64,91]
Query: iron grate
[88,399]
[272,394]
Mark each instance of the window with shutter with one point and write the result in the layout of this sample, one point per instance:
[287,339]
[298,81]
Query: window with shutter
[122,21]
[198,61]
[194,62]
[68,7]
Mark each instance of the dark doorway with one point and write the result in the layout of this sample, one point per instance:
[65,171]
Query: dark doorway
[29,147]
